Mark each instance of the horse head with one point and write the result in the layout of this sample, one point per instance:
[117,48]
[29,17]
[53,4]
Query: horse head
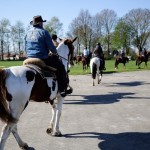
[65,50]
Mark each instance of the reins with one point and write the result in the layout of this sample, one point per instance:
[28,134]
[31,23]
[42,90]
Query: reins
[63,58]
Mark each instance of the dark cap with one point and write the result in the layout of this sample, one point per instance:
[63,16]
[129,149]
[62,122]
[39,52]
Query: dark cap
[37,20]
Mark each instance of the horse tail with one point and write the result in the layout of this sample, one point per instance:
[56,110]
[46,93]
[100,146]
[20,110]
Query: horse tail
[5,115]
[94,69]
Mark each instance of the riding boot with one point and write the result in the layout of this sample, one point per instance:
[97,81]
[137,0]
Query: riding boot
[61,74]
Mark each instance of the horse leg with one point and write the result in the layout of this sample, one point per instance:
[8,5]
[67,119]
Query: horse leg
[70,90]
[124,66]
[145,65]
[51,125]
[56,130]
[93,83]
[7,129]
[22,145]
[98,75]
[93,72]
[116,65]
[56,113]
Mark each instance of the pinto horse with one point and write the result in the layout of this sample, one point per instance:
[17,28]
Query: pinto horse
[141,59]
[96,69]
[21,84]
[121,60]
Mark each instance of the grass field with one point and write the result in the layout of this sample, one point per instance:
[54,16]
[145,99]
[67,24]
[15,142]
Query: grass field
[77,69]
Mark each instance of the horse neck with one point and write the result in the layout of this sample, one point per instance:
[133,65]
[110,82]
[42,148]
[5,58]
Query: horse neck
[63,52]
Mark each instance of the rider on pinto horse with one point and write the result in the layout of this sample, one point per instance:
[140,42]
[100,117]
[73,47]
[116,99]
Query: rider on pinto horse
[98,52]
[38,43]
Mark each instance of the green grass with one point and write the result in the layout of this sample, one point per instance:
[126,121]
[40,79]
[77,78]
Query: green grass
[77,69]
[6,64]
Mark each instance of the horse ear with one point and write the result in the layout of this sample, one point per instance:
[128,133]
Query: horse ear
[74,39]
[60,39]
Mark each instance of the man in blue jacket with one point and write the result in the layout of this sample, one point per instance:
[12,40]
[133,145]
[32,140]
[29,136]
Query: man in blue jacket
[38,43]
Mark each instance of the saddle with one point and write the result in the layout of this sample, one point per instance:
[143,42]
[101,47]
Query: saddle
[39,66]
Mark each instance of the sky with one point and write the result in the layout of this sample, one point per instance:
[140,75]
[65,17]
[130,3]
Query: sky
[65,10]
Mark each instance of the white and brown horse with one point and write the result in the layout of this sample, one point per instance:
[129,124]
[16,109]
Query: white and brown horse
[96,69]
[20,84]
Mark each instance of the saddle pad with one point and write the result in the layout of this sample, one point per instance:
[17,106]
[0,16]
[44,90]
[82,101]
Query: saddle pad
[44,72]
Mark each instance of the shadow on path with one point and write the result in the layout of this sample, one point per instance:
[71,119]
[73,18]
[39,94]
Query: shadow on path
[120,141]
[102,99]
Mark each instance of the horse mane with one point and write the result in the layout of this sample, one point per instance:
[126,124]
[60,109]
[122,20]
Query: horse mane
[4,111]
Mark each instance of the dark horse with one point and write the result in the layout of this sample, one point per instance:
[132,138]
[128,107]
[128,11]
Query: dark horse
[77,59]
[141,59]
[86,61]
[121,60]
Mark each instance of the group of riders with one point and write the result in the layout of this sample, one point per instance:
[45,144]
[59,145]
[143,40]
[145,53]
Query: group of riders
[38,44]
[98,52]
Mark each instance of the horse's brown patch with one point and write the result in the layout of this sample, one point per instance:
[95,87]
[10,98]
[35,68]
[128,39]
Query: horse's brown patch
[30,76]
[8,96]
[41,91]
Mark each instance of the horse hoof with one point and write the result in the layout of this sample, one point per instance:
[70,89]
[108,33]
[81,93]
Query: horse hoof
[25,147]
[49,131]
[57,134]
[69,91]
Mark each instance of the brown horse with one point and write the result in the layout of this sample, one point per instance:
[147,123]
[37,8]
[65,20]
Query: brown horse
[121,60]
[141,59]
[78,59]
[86,61]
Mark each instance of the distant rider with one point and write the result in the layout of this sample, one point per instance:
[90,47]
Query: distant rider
[98,52]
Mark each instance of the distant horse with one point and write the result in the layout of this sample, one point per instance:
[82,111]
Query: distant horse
[141,59]
[20,84]
[96,69]
[121,60]
[78,59]
[86,61]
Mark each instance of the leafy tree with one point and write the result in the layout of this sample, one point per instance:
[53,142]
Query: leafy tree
[121,36]
[108,19]
[18,32]
[54,26]
[4,31]
[139,22]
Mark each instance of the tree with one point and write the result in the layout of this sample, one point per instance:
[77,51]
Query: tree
[139,22]
[121,36]
[4,28]
[82,28]
[54,26]
[108,19]
[17,32]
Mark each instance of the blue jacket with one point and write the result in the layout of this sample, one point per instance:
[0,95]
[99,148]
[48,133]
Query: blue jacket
[38,43]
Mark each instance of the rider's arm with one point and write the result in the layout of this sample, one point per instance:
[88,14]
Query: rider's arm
[49,43]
